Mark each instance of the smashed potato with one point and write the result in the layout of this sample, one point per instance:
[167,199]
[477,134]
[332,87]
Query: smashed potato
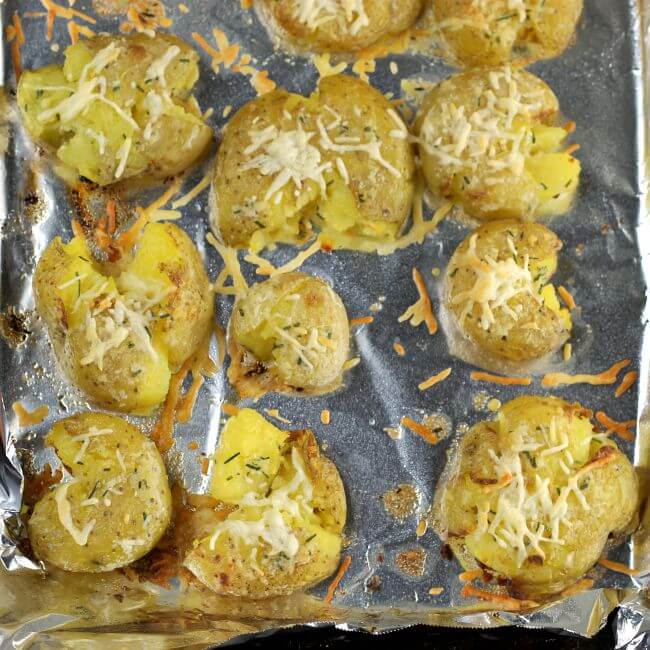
[120,330]
[283,513]
[288,334]
[340,159]
[117,505]
[480,33]
[498,290]
[119,108]
[341,25]
[489,141]
[536,494]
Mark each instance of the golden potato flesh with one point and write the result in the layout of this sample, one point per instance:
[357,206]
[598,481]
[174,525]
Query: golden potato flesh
[480,33]
[117,505]
[535,495]
[287,510]
[119,332]
[340,159]
[489,141]
[341,25]
[289,334]
[119,108]
[499,293]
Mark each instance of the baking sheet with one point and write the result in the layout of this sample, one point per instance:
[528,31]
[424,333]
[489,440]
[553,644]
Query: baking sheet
[599,83]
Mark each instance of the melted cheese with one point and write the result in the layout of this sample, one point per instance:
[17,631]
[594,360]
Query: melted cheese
[88,90]
[287,155]
[273,528]
[466,141]
[64,512]
[350,14]
[530,511]
[354,145]
[156,71]
[117,317]
[496,283]
[85,439]
[123,156]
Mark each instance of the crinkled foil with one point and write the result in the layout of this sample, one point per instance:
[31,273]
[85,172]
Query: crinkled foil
[601,85]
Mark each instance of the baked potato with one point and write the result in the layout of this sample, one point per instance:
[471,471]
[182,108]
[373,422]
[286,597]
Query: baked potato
[340,25]
[279,528]
[499,291]
[119,330]
[480,33]
[489,141]
[117,505]
[289,334]
[340,159]
[535,494]
[119,108]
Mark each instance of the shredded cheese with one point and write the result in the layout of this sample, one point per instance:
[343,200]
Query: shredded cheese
[618,567]
[606,377]
[497,282]
[421,311]
[504,381]
[156,71]
[325,416]
[350,15]
[85,439]
[30,418]
[626,383]
[333,586]
[64,512]
[621,429]
[420,429]
[436,379]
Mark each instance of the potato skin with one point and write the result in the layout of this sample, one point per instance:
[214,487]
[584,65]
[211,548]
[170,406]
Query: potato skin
[170,135]
[384,19]
[227,569]
[131,379]
[485,192]
[132,492]
[494,34]
[379,201]
[280,367]
[539,329]
[608,484]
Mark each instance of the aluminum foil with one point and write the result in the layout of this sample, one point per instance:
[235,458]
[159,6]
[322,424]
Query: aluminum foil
[600,84]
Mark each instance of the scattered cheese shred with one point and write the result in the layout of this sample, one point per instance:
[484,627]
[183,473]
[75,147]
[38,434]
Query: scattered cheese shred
[621,429]
[193,193]
[230,56]
[422,527]
[436,591]
[345,565]
[502,381]
[351,363]
[30,418]
[626,383]
[325,416]
[421,311]
[325,68]
[436,379]
[567,351]
[232,270]
[202,367]
[54,10]
[229,409]
[399,349]
[16,37]
[420,429]
[618,567]
[503,602]
[274,413]
[606,377]
[469,576]
[567,298]
[298,260]
[264,267]
[363,320]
